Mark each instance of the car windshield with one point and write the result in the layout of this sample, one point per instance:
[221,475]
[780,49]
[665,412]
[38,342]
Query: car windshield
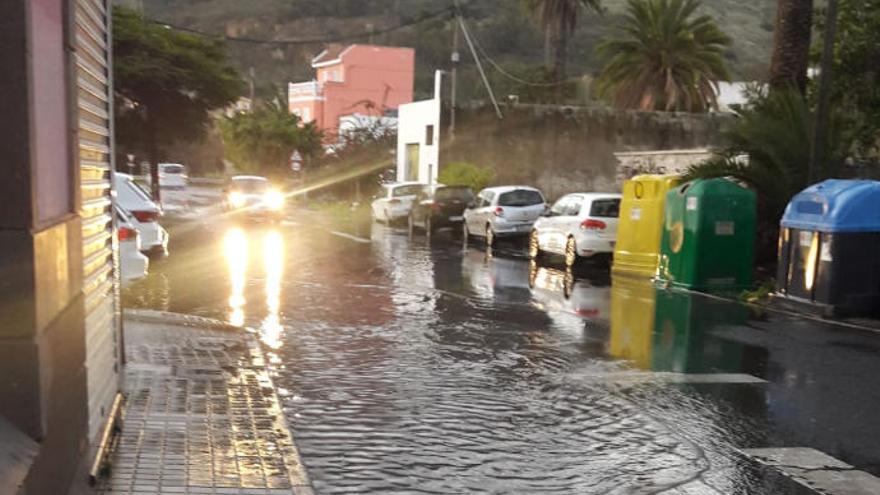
[411,190]
[520,197]
[452,193]
[609,208]
[251,185]
[173,169]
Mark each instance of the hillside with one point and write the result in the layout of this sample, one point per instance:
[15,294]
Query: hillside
[505,30]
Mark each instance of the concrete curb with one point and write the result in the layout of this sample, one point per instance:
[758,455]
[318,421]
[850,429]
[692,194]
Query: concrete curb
[180,319]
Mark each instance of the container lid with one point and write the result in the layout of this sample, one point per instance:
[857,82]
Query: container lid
[836,206]
[647,186]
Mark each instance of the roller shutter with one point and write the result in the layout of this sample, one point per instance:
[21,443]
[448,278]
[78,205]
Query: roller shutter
[90,28]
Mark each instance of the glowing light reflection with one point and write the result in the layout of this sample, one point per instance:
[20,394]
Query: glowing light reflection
[235,249]
[273,266]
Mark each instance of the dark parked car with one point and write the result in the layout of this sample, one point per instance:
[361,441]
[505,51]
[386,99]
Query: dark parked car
[440,207]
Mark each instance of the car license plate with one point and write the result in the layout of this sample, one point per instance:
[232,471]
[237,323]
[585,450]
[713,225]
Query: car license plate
[456,219]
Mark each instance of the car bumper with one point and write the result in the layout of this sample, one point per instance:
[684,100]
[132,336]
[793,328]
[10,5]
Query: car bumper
[133,265]
[589,245]
[512,229]
[155,244]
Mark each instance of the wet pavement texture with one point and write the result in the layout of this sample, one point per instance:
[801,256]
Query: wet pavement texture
[415,366]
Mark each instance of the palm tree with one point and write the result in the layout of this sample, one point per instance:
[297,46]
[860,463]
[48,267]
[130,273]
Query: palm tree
[667,59]
[791,44]
[560,17]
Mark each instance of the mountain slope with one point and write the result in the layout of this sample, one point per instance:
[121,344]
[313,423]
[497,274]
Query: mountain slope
[503,28]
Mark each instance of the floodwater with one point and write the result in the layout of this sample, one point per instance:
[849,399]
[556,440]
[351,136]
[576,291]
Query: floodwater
[408,366]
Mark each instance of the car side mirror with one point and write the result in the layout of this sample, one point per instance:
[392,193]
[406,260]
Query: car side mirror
[471,205]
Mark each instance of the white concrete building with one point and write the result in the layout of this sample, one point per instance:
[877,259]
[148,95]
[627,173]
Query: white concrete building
[418,139]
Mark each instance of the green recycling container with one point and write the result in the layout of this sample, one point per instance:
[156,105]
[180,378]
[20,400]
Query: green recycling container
[708,236]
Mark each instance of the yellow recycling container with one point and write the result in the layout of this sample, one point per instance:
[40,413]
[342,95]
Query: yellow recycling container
[640,228]
[633,303]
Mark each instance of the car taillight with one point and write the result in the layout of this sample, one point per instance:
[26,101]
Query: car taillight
[125,233]
[499,212]
[393,201]
[436,206]
[145,216]
[591,224]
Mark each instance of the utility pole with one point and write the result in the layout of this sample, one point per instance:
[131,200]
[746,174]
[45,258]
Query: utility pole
[470,43]
[823,110]
[251,84]
[453,86]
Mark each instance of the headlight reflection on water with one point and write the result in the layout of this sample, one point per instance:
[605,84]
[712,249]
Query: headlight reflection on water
[273,266]
[235,249]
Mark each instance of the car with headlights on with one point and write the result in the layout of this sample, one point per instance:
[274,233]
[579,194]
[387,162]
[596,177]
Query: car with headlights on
[505,211]
[578,226]
[253,196]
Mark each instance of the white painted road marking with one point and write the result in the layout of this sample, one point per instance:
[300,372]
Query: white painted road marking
[350,237]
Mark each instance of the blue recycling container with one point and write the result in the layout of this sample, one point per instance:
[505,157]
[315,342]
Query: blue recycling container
[829,247]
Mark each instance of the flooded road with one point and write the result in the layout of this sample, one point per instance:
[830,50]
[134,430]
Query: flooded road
[409,366]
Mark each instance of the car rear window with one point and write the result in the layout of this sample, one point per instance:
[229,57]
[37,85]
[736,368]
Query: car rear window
[173,169]
[461,193]
[609,208]
[520,197]
[406,190]
[250,185]
[139,190]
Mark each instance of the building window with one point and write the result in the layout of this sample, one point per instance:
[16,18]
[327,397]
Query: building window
[306,115]
[429,135]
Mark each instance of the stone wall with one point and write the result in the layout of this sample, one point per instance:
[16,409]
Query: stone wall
[565,149]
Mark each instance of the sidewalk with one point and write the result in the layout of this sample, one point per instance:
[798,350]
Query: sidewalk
[201,414]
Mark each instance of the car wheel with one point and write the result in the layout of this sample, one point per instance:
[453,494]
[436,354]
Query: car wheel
[490,237]
[571,256]
[534,246]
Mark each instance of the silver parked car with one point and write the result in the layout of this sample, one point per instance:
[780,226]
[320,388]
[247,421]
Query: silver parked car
[504,211]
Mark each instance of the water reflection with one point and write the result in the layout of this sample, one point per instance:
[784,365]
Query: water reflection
[633,303]
[558,290]
[235,249]
[273,267]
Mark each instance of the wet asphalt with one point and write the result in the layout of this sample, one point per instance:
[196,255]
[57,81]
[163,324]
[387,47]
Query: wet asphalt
[409,365]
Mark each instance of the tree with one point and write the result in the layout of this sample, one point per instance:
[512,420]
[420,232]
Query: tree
[791,45]
[263,140]
[667,58]
[166,83]
[769,149]
[856,87]
[561,18]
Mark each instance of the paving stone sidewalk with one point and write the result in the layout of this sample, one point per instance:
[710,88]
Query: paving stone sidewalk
[201,415]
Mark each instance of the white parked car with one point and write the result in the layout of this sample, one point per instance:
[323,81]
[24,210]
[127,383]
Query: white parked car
[133,264]
[503,212]
[173,176]
[394,202]
[578,226]
[144,214]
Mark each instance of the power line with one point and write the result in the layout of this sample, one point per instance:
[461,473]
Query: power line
[308,41]
[510,76]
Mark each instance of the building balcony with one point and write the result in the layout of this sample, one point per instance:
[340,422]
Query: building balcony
[305,91]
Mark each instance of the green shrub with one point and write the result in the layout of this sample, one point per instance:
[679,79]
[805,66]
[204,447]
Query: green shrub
[466,174]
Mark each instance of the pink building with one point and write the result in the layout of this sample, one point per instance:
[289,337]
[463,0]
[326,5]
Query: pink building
[363,79]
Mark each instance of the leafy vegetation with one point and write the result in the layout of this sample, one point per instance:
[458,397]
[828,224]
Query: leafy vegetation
[262,141]
[668,58]
[466,174]
[166,83]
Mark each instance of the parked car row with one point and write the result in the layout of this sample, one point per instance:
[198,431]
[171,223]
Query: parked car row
[577,226]
[138,230]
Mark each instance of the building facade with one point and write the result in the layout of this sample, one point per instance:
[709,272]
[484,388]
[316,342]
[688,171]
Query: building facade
[354,79]
[60,332]
[418,138]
